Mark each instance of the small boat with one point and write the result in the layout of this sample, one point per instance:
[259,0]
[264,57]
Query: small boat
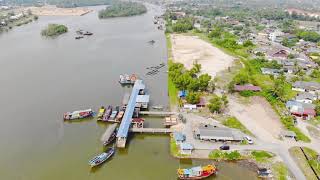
[78,37]
[197,172]
[78,114]
[127,79]
[87,33]
[97,160]
[113,115]
[152,42]
[109,135]
[79,32]
[101,112]
[119,116]
[157,107]
[107,114]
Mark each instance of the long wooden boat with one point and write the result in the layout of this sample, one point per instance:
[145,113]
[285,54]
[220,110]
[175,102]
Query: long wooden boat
[107,114]
[113,115]
[197,172]
[101,112]
[119,116]
[97,160]
[78,114]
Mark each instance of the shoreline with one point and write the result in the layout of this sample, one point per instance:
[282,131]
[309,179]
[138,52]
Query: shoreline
[51,10]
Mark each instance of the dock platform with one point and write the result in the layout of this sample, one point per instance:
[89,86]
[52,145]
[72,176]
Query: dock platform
[152,130]
[157,113]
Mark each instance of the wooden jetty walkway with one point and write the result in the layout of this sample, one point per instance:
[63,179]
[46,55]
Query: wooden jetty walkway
[152,130]
[157,113]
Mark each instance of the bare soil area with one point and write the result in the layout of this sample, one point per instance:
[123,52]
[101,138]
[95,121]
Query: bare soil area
[258,117]
[55,11]
[190,49]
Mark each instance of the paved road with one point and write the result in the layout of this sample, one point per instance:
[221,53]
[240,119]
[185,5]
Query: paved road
[280,148]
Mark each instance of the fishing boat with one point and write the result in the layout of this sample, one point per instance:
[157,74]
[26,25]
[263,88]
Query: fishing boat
[199,172]
[107,114]
[109,135]
[88,33]
[119,116]
[78,114]
[78,37]
[79,32]
[152,42]
[113,115]
[97,160]
[101,112]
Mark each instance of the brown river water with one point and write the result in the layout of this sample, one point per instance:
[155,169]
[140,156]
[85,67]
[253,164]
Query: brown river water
[41,78]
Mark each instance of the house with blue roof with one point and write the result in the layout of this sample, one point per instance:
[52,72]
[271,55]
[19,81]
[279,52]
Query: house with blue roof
[179,137]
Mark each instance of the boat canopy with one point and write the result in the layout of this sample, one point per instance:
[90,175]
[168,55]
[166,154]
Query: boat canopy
[106,135]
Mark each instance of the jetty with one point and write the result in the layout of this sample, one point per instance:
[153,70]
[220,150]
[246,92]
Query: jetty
[152,130]
[157,113]
[127,118]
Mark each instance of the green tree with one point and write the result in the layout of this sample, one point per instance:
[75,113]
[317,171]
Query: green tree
[204,80]
[193,98]
[215,105]
[248,43]
[279,88]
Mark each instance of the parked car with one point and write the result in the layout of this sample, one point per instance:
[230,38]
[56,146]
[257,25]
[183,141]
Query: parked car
[248,139]
[224,147]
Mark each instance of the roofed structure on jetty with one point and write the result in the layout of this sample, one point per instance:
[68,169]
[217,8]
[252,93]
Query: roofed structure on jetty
[126,120]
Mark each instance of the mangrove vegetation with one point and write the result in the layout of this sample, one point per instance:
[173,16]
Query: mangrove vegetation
[53,30]
[122,9]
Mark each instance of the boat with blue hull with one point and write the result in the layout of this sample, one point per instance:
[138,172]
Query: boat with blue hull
[97,160]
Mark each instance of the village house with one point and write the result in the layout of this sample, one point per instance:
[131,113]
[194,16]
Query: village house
[278,54]
[303,86]
[179,137]
[211,133]
[240,88]
[306,97]
[270,71]
[301,110]
[276,36]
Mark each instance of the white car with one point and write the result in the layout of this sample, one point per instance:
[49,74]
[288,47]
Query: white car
[248,139]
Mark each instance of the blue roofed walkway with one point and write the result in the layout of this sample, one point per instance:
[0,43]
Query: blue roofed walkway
[126,120]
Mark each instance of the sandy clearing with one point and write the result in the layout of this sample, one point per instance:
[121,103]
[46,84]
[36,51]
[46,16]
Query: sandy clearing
[55,11]
[190,49]
[258,117]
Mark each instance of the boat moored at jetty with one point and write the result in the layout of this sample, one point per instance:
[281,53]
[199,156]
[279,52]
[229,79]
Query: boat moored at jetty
[107,114]
[78,114]
[109,135]
[97,160]
[126,79]
[101,112]
[197,172]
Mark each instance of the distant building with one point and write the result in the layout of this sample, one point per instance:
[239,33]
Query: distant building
[211,133]
[270,71]
[306,97]
[301,110]
[303,86]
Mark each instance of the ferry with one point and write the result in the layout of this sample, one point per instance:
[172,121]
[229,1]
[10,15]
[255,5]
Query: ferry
[126,79]
[199,172]
[78,114]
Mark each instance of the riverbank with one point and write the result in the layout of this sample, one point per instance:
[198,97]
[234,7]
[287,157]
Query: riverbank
[51,10]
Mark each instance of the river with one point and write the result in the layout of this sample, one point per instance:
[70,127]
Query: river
[41,78]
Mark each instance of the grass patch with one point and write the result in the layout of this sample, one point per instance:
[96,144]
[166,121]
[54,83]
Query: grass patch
[219,155]
[312,156]
[302,162]
[233,122]
[280,170]
[261,156]
[174,149]
[169,45]
[314,132]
